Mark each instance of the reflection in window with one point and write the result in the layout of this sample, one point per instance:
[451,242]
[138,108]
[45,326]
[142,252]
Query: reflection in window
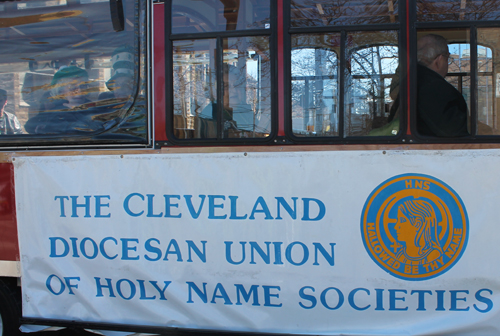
[245,107]
[307,13]
[457,10]
[195,87]
[68,72]
[192,16]
[247,88]
[488,82]
[315,84]
[370,75]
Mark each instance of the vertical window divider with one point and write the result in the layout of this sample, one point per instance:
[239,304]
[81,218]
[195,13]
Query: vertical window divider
[169,73]
[410,115]
[474,81]
[219,75]
[341,74]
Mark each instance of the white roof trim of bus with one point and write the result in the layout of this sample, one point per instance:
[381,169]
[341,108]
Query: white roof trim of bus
[10,268]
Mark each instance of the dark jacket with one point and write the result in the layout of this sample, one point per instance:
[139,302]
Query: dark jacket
[441,109]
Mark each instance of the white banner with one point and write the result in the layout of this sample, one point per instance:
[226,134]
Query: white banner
[351,243]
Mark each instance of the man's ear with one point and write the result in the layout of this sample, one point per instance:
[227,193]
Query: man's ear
[436,63]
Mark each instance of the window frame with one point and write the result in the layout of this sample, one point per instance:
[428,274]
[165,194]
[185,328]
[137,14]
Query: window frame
[400,27]
[108,138]
[472,26]
[170,38]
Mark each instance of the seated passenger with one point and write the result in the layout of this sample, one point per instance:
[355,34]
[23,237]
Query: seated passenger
[68,91]
[8,122]
[63,109]
[121,84]
[441,108]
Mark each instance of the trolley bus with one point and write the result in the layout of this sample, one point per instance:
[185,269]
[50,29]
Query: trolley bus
[250,166]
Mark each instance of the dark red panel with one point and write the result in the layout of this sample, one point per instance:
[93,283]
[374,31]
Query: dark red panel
[159,71]
[9,248]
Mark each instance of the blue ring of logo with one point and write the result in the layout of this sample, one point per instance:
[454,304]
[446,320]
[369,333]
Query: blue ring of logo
[414,226]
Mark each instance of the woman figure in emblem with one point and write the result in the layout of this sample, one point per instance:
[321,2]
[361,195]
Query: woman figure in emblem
[417,229]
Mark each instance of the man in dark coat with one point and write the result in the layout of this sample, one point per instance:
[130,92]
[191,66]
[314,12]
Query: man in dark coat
[441,109]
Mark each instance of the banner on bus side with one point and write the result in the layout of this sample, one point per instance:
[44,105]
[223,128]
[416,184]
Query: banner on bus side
[351,242]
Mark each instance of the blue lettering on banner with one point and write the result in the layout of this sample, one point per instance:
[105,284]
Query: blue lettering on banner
[128,289]
[128,249]
[86,205]
[269,295]
[330,298]
[333,298]
[217,207]
[295,253]
[229,207]
[57,286]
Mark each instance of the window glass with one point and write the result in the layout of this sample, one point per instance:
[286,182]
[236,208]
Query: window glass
[488,81]
[371,83]
[246,89]
[67,69]
[195,87]
[315,84]
[457,10]
[459,68]
[196,16]
[313,13]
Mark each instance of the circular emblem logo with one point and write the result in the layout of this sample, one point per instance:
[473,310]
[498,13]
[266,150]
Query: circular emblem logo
[414,226]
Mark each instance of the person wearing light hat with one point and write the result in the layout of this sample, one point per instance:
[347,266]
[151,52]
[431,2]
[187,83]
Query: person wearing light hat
[8,122]
[121,84]
[68,90]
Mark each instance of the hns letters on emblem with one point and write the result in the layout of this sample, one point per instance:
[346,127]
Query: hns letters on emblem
[414,226]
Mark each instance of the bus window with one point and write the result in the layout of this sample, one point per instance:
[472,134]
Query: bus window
[247,87]
[471,70]
[344,80]
[315,84]
[306,13]
[371,65]
[221,81]
[488,81]
[459,68]
[464,10]
[245,95]
[195,88]
[69,71]
[369,76]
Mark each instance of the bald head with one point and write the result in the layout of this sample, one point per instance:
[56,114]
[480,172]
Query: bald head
[432,51]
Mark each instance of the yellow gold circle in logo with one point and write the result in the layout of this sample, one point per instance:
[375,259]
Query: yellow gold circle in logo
[414,226]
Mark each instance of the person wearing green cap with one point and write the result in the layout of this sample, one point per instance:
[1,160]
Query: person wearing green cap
[68,90]
[60,107]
